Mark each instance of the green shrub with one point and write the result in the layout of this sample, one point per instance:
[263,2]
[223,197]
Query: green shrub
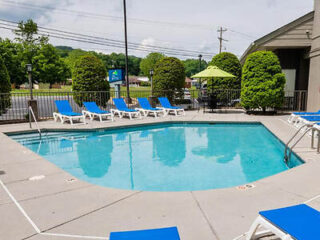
[89,74]
[5,88]
[262,81]
[169,78]
[227,62]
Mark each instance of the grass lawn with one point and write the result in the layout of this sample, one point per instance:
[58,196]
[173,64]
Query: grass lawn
[134,91]
[53,90]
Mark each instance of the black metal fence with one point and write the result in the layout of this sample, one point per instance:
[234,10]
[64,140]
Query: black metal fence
[14,106]
[295,101]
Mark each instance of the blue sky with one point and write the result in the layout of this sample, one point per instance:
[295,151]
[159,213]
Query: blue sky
[183,24]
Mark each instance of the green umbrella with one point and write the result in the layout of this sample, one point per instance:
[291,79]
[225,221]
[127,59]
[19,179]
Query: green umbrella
[213,72]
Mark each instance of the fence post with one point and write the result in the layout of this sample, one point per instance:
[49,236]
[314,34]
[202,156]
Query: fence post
[34,106]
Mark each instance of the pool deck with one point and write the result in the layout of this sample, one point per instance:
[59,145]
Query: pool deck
[62,207]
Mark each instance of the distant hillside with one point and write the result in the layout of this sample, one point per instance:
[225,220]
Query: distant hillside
[63,51]
[66,48]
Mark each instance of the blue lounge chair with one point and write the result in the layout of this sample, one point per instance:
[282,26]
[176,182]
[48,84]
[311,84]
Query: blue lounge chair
[146,108]
[150,234]
[166,105]
[299,222]
[65,112]
[295,115]
[303,120]
[123,110]
[94,111]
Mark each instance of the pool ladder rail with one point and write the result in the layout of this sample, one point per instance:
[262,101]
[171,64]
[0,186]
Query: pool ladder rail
[31,114]
[310,127]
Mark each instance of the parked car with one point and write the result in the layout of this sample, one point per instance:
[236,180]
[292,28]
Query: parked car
[186,94]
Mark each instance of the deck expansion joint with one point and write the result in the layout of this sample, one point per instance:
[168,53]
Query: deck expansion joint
[205,216]
[93,211]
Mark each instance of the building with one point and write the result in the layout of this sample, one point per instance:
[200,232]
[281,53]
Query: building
[297,45]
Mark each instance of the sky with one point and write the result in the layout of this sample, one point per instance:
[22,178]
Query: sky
[180,24]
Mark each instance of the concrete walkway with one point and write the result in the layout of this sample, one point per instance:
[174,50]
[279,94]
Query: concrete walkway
[62,207]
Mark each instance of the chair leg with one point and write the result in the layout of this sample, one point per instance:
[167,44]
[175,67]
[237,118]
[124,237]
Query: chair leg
[130,116]
[253,229]
[100,117]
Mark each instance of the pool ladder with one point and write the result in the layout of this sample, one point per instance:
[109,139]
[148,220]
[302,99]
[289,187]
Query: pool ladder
[31,114]
[310,127]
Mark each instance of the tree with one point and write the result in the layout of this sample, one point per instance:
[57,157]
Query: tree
[5,88]
[63,51]
[134,65]
[11,54]
[25,34]
[262,81]
[230,63]
[73,56]
[89,74]
[49,67]
[192,66]
[169,77]
[149,63]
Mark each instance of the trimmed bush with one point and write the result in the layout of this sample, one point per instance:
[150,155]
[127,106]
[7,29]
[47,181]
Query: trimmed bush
[5,88]
[230,63]
[227,62]
[262,81]
[169,78]
[89,74]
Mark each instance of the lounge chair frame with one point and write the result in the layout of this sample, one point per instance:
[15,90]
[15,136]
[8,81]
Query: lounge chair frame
[122,113]
[63,118]
[169,108]
[146,112]
[299,122]
[175,111]
[272,229]
[92,115]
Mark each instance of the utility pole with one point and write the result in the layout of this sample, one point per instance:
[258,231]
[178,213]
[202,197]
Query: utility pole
[126,50]
[221,30]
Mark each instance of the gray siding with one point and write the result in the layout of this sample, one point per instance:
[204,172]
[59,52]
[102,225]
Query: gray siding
[295,37]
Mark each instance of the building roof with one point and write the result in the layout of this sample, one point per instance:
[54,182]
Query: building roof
[188,80]
[261,41]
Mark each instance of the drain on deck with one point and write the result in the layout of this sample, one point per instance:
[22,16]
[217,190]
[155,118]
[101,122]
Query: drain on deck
[246,187]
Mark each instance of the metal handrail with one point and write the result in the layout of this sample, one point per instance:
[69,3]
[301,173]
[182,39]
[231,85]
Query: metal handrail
[31,113]
[309,127]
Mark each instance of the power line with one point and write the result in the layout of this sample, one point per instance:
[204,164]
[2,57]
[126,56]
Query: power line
[117,18]
[104,17]
[92,41]
[111,42]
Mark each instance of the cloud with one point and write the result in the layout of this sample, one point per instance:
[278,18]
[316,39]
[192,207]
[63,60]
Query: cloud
[25,9]
[166,23]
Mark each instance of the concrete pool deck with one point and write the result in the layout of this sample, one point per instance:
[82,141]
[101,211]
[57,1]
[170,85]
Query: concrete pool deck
[63,207]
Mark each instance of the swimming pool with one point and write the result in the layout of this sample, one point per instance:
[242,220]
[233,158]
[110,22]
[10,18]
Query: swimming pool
[166,156]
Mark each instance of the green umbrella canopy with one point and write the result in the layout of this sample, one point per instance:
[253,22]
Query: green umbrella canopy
[213,72]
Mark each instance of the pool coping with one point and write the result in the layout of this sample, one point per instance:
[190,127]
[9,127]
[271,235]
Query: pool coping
[13,133]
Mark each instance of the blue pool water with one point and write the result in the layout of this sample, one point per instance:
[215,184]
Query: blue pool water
[165,157]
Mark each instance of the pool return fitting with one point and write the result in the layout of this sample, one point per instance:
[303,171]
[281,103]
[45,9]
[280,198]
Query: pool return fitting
[310,127]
